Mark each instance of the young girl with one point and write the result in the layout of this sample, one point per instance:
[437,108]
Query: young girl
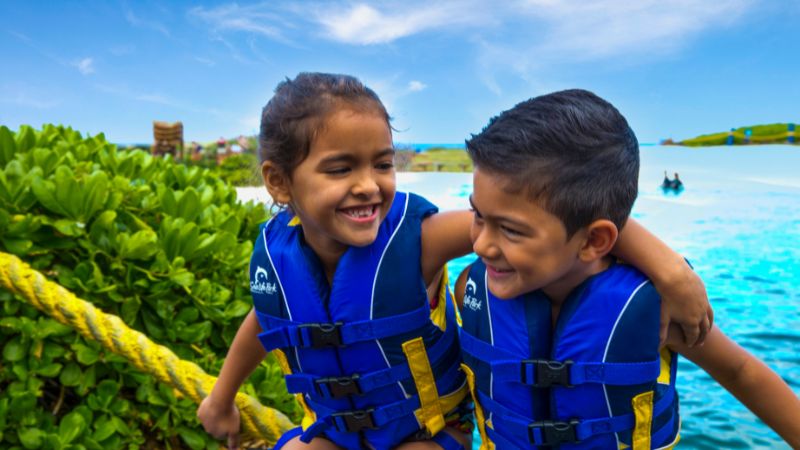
[339,283]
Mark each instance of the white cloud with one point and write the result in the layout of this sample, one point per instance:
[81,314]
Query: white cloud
[205,61]
[232,17]
[84,66]
[364,25]
[416,86]
[20,96]
[136,21]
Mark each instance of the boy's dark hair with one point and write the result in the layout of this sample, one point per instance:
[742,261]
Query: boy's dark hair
[297,111]
[571,151]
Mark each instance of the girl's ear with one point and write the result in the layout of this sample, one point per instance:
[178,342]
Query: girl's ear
[601,235]
[277,183]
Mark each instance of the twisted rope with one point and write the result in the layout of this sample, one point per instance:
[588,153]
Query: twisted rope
[259,422]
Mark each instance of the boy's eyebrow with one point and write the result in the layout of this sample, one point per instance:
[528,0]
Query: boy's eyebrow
[501,218]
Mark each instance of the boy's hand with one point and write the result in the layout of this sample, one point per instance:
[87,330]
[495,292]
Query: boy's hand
[220,421]
[684,302]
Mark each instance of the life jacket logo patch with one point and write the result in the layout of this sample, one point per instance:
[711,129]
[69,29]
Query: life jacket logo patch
[471,300]
[260,283]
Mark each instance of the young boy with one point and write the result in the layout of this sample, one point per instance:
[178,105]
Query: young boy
[561,342]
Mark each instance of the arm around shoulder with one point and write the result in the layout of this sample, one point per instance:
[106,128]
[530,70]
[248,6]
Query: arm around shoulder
[683,294]
[444,236]
[751,381]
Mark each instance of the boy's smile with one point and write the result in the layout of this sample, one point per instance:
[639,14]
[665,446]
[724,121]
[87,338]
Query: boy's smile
[524,247]
[344,188]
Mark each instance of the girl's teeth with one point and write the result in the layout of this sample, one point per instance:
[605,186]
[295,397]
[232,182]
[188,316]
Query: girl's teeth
[363,212]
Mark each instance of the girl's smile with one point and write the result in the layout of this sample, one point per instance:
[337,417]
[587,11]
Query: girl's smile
[343,189]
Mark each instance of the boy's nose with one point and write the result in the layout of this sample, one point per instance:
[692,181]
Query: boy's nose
[483,245]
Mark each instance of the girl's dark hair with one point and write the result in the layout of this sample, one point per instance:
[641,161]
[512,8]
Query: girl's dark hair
[297,111]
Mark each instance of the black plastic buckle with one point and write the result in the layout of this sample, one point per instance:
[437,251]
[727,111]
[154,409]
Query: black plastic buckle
[341,386]
[355,421]
[554,433]
[548,373]
[324,334]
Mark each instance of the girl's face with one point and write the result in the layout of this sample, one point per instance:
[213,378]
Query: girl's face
[344,188]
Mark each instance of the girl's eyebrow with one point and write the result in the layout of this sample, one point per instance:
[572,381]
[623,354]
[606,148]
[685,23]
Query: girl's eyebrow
[347,157]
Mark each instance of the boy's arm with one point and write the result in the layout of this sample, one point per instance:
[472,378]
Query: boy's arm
[683,294]
[218,412]
[760,389]
[444,236]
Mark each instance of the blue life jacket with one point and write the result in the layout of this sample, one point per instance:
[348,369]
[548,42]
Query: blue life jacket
[369,359]
[597,380]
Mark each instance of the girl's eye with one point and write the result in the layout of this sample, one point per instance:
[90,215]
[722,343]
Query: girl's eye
[384,166]
[337,170]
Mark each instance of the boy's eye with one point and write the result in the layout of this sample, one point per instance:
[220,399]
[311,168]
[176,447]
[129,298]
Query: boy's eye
[510,231]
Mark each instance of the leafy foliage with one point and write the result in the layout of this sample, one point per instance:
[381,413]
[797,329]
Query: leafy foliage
[162,245]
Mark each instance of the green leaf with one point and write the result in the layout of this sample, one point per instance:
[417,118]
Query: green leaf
[104,427]
[194,439]
[68,193]
[142,245]
[182,277]
[70,427]
[14,350]
[49,370]
[26,139]
[30,437]
[195,332]
[85,354]
[188,205]
[44,191]
[71,375]
[95,194]
[237,308]
[7,145]
[107,389]
[69,227]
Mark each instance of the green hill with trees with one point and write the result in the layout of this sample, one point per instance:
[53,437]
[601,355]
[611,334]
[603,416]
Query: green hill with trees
[776,133]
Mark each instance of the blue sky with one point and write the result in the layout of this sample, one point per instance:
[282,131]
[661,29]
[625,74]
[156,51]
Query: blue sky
[675,68]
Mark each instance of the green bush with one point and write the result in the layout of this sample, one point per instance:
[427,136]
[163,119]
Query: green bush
[240,170]
[164,246]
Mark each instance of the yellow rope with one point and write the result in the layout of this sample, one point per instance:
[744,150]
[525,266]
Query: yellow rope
[259,422]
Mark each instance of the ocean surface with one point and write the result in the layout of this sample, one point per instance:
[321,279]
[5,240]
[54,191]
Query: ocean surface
[738,222]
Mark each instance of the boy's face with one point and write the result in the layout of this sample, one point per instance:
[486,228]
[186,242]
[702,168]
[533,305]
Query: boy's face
[524,247]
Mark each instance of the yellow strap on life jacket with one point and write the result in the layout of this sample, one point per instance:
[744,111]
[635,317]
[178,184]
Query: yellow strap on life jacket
[295,221]
[309,416]
[643,413]
[486,443]
[439,314]
[664,377]
[430,413]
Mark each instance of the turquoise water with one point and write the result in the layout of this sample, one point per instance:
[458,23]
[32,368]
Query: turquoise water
[738,221]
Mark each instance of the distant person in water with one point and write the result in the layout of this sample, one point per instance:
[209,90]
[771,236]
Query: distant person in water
[675,185]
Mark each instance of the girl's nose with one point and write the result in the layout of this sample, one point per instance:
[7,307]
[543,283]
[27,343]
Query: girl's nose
[365,186]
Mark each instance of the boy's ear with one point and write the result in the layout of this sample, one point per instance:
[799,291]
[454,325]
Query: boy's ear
[601,235]
[277,183]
